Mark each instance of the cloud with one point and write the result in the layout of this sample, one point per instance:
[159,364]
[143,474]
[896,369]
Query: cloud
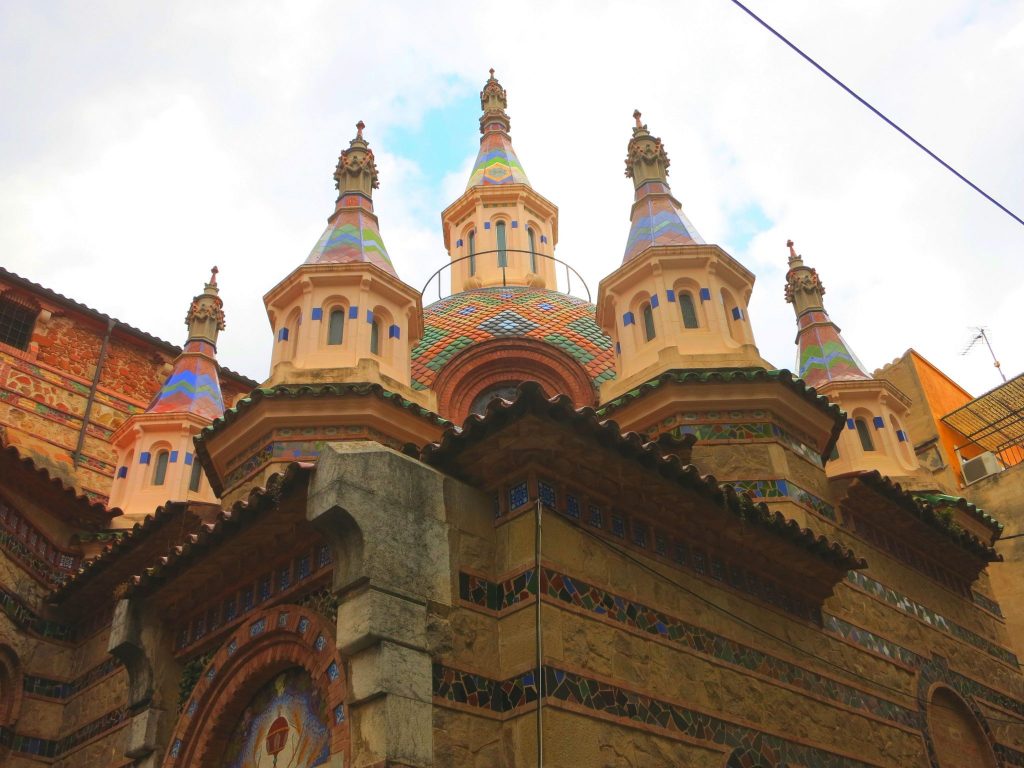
[144,144]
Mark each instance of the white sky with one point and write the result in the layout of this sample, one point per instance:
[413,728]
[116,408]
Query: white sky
[141,143]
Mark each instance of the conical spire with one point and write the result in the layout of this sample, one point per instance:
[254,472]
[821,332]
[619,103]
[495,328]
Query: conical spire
[352,233]
[194,386]
[496,163]
[822,354]
[656,218]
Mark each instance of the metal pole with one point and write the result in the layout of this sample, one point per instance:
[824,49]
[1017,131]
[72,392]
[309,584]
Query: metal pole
[76,457]
[995,360]
[540,657]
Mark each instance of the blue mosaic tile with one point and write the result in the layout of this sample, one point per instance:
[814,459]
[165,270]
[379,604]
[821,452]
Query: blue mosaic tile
[339,714]
[258,628]
[596,517]
[618,526]
[303,626]
[320,643]
[572,506]
[518,495]
[332,671]
[547,494]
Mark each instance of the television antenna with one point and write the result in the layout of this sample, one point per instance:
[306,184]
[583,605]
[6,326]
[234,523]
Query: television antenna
[981,334]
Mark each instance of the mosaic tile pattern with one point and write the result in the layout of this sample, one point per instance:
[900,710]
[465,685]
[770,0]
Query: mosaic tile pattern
[59,689]
[29,546]
[25,617]
[496,162]
[657,219]
[987,603]
[470,689]
[822,354]
[352,236]
[193,386]
[928,616]
[242,601]
[463,319]
[593,599]
[735,430]
[783,489]
[898,547]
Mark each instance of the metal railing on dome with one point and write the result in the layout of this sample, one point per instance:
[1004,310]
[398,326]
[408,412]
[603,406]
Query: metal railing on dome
[503,252]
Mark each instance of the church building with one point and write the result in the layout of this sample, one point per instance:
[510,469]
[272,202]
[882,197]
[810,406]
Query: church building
[507,528]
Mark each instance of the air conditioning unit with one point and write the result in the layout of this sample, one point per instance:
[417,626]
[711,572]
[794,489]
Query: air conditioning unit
[980,467]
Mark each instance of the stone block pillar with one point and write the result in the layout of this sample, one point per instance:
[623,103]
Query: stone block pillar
[384,514]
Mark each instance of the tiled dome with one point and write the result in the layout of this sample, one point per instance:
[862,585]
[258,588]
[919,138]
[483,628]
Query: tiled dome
[459,321]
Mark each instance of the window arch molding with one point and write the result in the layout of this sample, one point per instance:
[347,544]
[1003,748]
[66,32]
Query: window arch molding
[381,325]
[246,661]
[645,318]
[11,686]
[688,287]
[943,706]
[497,361]
[159,449]
[19,313]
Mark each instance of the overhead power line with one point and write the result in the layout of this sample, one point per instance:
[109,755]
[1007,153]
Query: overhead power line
[877,112]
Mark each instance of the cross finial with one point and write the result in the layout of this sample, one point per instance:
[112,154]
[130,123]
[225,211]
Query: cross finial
[636,116]
[792,250]
[213,276]
[359,130]
[492,73]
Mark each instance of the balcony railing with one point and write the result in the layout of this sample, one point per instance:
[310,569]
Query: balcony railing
[497,255]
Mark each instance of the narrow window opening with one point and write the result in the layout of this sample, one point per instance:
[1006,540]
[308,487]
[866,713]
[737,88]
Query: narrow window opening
[865,434]
[688,309]
[336,327]
[160,471]
[16,323]
[533,250]
[375,337]
[502,252]
[472,253]
[648,314]
[194,478]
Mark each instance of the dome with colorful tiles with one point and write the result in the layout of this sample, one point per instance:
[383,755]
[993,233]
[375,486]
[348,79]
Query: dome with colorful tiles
[462,320]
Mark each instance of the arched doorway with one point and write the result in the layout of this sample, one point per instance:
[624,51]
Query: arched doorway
[958,739]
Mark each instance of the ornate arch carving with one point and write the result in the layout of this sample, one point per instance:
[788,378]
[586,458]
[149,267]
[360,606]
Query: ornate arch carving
[266,644]
[10,686]
[496,361]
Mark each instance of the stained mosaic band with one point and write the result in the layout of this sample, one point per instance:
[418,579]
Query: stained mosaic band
[743,430]
[928,616]
[469,689]
[33,745]
[30,546]
[783,489]
[557,586]
[499,596]
[25,617]
[274,582]
[987,603]
[62,689]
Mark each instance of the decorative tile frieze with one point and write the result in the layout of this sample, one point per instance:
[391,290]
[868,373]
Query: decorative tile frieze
[602,698]
[638,533]
[592,599]
[271,583]
[784,489]
[28,545]
[62,689]
[928,616]
[898,547]
[987,603]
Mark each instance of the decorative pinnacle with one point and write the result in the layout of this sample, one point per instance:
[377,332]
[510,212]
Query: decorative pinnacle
[493,101]
[206,313]
[356,170]
[803,286]
[646,158]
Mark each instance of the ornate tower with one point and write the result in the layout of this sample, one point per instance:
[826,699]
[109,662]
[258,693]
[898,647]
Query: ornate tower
[344,315]
[874,437]
[155,456]
[499,231]
[344,325]
[676,302]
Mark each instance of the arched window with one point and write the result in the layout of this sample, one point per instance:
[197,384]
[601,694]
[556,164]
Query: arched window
[375,337]
[533,249]
[195,477]
[502,252]
[472,252]
[160,470]
[648,314]
[17,319]
[864,433]
[336,327]
[686,306]
[505,390]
